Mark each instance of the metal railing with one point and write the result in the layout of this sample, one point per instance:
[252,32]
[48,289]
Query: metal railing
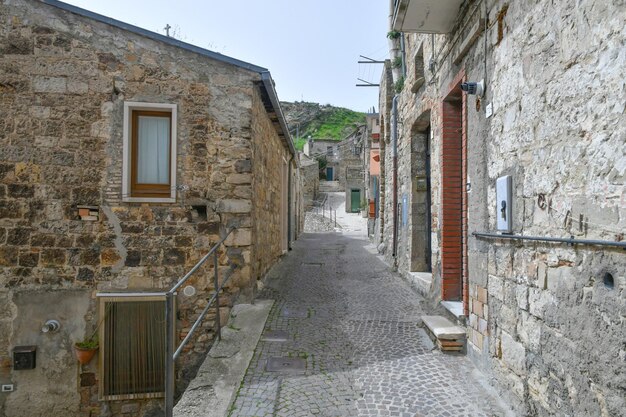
[170,319]
[570,241]
[324,208]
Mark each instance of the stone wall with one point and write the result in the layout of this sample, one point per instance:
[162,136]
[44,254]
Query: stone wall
[63,83]
[310,177]
[543,319]
[268,174]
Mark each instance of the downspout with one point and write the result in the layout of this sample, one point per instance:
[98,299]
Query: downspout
[289,198]
[394,139]
[403,55]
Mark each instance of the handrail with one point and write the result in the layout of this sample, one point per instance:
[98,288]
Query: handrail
[200,262]
[170,317]
[317,204]
[569,241]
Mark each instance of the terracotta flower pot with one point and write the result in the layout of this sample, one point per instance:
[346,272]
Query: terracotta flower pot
[84,355]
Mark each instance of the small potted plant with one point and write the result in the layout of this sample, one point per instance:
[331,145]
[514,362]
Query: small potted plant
[86,349]
[363,208]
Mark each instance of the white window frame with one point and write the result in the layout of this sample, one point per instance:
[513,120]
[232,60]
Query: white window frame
[129,107]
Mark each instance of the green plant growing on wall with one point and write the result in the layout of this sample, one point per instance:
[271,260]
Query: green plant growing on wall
[399,85]
[397,62]
[393,34]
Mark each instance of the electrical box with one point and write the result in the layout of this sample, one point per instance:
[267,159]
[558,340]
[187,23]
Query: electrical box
[24,357]
[504,204]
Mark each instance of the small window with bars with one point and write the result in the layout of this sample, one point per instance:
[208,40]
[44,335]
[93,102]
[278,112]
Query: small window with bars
[132,346]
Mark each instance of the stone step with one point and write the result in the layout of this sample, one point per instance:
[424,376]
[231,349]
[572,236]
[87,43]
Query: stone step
[449,336]
[329,186]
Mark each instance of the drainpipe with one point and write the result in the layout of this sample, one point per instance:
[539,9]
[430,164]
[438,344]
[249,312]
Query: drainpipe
[394,139]
[289,198]
[403,55]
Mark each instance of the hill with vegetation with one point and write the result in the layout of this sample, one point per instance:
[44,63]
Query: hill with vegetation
[319,121]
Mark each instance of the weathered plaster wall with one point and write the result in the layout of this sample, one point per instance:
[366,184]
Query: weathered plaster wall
[34,395]
[63,83]
[540,318]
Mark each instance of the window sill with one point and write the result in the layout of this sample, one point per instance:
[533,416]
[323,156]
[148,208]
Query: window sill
[148,200]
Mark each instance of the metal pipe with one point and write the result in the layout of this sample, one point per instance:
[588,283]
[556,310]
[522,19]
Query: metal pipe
[217,297]
[179,350]
[289,198]
[403,54]
[169,355]
[570,241]
[200,262]
[394,138]
[170,317]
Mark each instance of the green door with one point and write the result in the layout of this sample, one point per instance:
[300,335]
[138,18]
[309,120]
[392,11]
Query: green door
[355,201]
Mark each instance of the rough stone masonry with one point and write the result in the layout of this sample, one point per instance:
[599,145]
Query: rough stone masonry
[545,319]
[64,79]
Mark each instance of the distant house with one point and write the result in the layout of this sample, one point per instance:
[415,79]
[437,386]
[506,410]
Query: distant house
[125,156]
[310,179]
[372,169]
[351,152]
[329,151]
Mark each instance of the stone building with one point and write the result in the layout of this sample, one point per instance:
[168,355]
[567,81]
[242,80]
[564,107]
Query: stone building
[327,149]
[310,179]
[125,156]
[351,156]
[539,153]
[371,170]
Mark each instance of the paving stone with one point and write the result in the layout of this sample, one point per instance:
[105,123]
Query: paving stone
[365,351]
[275,336]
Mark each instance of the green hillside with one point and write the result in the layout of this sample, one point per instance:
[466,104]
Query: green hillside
[319,121]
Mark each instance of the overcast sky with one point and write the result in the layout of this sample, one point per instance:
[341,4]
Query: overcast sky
[311,47]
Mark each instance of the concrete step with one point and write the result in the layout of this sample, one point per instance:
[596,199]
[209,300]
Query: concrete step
[449,336]
[329,186]
[210,393]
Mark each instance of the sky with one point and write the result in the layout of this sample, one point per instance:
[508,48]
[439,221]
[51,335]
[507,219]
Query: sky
[311,47]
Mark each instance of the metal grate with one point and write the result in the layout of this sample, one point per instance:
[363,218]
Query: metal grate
[275,336]
[293,365]
[295,312]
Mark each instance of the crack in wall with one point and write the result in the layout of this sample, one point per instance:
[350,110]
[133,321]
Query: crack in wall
[114,222]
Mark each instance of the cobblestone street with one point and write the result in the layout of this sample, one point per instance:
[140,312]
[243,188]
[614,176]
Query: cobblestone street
[348,334]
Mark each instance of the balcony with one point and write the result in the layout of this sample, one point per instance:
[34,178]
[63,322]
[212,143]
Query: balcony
[425,16]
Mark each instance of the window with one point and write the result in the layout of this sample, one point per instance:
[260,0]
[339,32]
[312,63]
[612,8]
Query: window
[329,150]
[149,168]
[132,346]
[418,67]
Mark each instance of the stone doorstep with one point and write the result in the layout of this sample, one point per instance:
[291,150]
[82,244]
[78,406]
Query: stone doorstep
[421,281]
[443,329]
[454,311]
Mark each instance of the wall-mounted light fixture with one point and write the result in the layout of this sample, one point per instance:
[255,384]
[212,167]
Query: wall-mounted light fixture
[474,88]
[51,326]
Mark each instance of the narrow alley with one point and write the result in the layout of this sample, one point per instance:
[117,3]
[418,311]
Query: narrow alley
[344,339]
